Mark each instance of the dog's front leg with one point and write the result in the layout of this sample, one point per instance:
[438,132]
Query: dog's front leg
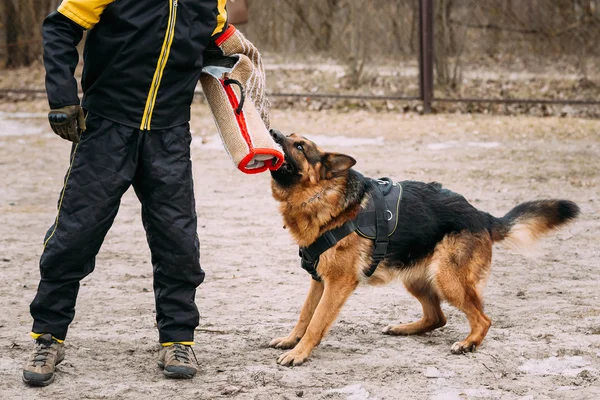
[308,309]
[334,296]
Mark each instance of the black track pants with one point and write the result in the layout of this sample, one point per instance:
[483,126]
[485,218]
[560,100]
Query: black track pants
[110,158]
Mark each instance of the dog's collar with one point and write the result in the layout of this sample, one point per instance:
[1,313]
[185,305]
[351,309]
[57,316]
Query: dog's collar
[310,254]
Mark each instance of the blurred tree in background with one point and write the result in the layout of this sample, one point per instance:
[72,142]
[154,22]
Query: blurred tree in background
[21,30]
[357,31]
[361,35]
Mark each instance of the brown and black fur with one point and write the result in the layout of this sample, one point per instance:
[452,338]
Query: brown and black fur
[442,248]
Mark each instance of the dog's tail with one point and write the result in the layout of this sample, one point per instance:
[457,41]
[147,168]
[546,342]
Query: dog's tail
[527,222]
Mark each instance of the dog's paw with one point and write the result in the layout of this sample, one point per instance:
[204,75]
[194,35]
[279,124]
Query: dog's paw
[394,330]
[292,359]
[463,347]
[285,342]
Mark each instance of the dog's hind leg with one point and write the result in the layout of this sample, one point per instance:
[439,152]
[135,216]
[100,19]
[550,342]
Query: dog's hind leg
[469,301]
[463,262]
[308,309]
[433,316]
[335,294]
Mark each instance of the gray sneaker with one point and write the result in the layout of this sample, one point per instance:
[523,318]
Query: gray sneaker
[176,363]
[39,369]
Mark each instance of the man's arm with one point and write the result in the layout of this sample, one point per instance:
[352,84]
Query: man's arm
[61,37]
[62,31]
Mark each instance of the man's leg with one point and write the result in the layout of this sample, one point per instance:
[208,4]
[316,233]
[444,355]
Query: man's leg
[103,166]
[165,188]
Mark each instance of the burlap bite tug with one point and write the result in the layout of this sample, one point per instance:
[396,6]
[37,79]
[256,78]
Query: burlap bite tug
[233,81]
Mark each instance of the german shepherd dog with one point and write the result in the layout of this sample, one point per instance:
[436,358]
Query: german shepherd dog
[441,250]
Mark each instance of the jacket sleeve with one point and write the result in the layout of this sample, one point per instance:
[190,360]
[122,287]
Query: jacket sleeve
[62,31]
[61,36]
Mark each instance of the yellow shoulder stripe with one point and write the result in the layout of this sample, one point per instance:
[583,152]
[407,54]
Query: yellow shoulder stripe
[85,13]
[221,17]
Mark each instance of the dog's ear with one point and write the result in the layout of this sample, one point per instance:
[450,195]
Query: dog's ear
[336,163]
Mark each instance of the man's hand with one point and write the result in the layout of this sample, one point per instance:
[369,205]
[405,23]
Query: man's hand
[68,122]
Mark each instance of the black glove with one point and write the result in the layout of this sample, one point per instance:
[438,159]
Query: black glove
[68,122]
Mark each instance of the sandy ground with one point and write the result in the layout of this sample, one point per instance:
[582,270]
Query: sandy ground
[544,341]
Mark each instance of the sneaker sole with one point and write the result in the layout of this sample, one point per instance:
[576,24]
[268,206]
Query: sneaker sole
[177,375]
[33,382]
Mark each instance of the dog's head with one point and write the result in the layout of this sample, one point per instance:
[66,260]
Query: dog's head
[306,164]
[310,182]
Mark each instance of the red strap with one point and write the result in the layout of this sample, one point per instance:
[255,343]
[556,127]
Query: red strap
[241,120]
[225,35]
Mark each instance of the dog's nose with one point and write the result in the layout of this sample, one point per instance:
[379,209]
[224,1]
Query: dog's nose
[277,136]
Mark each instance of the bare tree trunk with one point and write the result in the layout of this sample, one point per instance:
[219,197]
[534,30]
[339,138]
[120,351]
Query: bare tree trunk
[450,34]
[442,67]
[414,24]
[582,9]
[326,31]
[357,57]
[23,20]
[13,52]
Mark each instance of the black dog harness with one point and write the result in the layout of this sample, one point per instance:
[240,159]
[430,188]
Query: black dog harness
[377,221]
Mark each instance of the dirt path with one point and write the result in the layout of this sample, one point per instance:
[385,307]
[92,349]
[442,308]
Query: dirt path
[544,341]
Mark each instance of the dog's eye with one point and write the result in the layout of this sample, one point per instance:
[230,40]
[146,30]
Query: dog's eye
[300,147]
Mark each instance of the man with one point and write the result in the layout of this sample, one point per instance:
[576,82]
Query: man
[142,60]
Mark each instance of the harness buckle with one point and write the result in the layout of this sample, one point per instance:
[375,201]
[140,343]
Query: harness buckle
[304,253]
[311,268]
[380,248]
[389,215]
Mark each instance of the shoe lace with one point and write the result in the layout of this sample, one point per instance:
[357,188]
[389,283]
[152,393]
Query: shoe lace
[181,354]
[41,352]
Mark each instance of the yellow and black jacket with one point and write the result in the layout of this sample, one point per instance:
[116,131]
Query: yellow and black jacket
[142,59]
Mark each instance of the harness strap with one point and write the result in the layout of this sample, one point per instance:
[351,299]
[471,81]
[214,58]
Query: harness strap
[310,255]
[381,238]
[369,218]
